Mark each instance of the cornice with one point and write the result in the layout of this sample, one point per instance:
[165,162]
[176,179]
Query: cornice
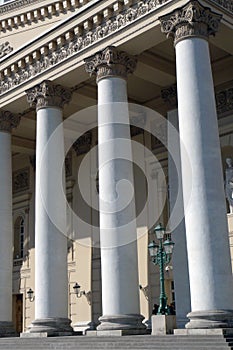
[15,5]
[36,13]
[105,23]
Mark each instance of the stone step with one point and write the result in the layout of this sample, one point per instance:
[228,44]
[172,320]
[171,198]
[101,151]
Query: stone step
[138,338]
[173,342]
[153,347]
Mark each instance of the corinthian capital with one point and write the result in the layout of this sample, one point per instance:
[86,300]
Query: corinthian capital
[110,63]
[192,20]
[48,94]
[8,121]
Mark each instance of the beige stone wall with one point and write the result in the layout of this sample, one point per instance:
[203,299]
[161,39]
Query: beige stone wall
[83,260]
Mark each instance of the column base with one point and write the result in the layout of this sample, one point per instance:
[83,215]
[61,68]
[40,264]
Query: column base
[181,321]
[50,327]
[122,322]
[210,319]
[7,329]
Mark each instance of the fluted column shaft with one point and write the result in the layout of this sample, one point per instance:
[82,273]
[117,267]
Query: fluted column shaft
[119,266]
[204,203]
[51,281]
[7,122]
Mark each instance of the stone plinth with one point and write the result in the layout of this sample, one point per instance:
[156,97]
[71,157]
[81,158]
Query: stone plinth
[163,324]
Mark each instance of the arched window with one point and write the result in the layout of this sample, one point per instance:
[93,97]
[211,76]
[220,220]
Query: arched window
[19,237]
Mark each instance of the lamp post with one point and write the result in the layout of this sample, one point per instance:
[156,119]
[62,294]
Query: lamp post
[161,255]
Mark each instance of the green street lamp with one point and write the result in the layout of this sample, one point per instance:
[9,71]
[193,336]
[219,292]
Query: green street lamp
[161,255]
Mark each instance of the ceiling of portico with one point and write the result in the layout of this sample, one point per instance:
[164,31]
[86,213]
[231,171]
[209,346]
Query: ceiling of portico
[155,70]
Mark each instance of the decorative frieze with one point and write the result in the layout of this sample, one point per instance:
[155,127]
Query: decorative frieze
[110,62]
[83,143]
[5,49]
[21,180]
[48,94]
[226,4]
[80,37]
[169,95]
[224,101]
[68,164]
[8,121]
[192,20]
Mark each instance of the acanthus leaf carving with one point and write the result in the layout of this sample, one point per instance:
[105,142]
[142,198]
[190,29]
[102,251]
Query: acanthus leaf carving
[48,94]
[191,20]
[8,120]
[110,62]
[5,49]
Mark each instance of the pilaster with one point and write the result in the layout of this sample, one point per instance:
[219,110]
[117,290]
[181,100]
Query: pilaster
[7,121]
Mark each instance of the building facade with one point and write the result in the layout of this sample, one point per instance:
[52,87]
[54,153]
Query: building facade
[111,114]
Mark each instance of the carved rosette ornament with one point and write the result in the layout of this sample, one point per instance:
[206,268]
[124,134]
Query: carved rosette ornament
[8,121]
[192,20]
[110,63]
[48,94]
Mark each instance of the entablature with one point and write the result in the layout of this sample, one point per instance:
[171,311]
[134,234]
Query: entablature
[63,48]
[74,36]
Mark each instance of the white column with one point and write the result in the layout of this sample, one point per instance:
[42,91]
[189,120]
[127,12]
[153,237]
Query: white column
[7,122]
[51,281]
[177,223]
[118,238]
[204,203]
